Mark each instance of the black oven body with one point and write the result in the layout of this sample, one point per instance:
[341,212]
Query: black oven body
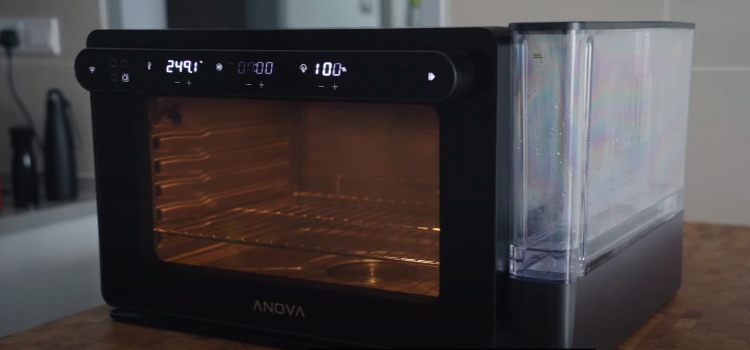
[478,304]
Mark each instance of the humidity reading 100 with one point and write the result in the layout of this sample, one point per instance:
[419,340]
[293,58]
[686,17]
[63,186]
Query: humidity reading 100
[328,69]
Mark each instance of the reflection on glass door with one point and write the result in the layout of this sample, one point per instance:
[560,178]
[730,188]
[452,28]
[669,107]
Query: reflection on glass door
[341,193]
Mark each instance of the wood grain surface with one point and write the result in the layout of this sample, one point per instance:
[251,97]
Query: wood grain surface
[711,310]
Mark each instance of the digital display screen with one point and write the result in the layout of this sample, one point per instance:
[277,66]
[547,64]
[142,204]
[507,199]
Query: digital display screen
[315,74]
[187,66]
[255,67]
[330,69]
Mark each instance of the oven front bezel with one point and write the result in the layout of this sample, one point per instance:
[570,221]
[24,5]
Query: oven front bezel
[474,143]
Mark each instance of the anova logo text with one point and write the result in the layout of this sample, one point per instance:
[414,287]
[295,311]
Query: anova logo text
[278,308]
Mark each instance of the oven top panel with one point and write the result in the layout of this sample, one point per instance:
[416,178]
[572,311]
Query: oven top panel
[361,75]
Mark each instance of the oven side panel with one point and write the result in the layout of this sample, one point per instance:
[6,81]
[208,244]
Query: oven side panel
[119,124]
[503,190]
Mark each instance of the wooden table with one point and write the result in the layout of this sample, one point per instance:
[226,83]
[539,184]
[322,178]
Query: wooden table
[711,311]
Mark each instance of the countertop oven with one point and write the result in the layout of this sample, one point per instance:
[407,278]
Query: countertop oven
[454,187]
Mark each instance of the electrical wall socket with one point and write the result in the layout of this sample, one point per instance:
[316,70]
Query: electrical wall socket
[36,35]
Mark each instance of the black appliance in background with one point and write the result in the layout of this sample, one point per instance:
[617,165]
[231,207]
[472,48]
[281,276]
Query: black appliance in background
[1,194]
[24,170]
[58,146]
[59,150]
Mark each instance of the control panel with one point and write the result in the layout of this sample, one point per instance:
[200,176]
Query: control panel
[399,75]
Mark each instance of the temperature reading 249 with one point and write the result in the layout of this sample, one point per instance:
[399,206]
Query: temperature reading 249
[328,69]
[186,66]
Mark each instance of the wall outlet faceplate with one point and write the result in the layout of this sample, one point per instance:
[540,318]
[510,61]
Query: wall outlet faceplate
[36,35]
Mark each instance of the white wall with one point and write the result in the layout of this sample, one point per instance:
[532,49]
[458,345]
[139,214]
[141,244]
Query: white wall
[329,13]
[144,14]
[35,75]
[718,167]
[433,13]
[137,14]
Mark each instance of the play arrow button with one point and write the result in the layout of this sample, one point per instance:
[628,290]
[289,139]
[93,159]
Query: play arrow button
[431,76]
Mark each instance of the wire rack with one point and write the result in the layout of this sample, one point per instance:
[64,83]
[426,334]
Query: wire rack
[342,225]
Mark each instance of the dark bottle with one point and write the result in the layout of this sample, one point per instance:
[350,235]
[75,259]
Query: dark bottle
[60,178]
[1,194]
[24,174]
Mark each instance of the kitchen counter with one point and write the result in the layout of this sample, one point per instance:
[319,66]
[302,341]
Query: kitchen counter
[48,212]
[711,310]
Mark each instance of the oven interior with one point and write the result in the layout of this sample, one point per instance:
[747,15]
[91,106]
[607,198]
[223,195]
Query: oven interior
[343,193]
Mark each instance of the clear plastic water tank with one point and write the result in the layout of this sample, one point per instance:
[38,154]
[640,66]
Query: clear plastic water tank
[600,137]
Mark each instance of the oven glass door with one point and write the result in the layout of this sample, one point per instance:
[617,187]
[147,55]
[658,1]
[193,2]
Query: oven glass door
[340,193]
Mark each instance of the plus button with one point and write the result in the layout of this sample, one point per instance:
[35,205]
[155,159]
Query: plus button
[335,86]
[261,84]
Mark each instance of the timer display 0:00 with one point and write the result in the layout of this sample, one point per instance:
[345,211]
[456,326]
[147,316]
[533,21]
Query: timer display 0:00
[256,67]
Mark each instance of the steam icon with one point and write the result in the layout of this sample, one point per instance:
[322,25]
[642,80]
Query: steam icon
[303,67]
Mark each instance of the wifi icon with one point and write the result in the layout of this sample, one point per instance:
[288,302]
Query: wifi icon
[92,69]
